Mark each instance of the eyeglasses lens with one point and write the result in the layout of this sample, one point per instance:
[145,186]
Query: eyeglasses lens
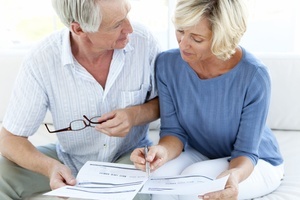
[77,125]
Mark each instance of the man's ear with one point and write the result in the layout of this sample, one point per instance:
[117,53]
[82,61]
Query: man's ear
[76,28]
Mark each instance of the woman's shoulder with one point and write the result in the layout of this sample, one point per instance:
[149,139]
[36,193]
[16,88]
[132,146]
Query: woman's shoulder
[170,54]
[251,60]
[252,63]
[253,68]
[170,62]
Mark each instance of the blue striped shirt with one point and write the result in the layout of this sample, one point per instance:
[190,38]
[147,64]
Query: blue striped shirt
[51,79]
[219,117]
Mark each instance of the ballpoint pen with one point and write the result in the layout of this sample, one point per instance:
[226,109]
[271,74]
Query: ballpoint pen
[147,162]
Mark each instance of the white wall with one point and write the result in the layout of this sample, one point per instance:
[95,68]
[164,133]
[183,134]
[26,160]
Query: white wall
[274,25]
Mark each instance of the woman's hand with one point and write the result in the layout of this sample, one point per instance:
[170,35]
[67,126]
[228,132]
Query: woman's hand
[240,168]
[157,156]
[230,192]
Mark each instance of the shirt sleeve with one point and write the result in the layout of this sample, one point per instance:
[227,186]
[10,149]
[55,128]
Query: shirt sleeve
[253,117]
[169,121]
[155,49]
[28,103]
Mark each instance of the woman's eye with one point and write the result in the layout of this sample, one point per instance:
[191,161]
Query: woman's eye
[198,41]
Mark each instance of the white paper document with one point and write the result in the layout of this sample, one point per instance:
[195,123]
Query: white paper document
[105,181]
[183,185]
[114,181]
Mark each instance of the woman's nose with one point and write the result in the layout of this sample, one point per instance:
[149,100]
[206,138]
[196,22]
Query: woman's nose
[183,41]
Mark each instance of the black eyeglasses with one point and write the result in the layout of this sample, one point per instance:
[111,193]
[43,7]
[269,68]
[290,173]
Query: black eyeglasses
[78,124]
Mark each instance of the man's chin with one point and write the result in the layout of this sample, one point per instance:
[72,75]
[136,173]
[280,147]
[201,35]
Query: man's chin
[119,47]
[122,44]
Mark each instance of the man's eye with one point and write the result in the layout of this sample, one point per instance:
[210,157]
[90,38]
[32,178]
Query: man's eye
[117,26]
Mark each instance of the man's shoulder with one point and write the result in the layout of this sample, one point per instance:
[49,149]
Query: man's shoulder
[141,31]
[143,38]
[54,39]
[47,48]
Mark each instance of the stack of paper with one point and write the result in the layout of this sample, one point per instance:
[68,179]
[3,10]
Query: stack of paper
[114,181]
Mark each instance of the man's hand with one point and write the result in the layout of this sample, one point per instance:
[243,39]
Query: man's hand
[61,176]
[119,122]
[116,123]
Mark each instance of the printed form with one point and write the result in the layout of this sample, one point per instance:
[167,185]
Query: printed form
[183,185]
[105,181]
[108,181]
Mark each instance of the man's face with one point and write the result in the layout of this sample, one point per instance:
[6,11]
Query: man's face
[115,27]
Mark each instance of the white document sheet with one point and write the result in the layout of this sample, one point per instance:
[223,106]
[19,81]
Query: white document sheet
[105,181]
[183,185]
[114,181]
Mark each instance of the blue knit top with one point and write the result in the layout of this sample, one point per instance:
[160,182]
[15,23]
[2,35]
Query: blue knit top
[219,117]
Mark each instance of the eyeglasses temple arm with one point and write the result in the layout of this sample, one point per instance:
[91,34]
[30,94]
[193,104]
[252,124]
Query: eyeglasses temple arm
[56,131]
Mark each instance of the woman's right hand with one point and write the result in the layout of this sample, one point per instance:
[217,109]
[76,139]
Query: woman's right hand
[157,156]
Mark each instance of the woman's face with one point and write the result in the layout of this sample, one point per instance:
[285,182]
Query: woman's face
[195,42]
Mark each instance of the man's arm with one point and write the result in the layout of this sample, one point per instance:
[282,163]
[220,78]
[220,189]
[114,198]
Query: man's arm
[145,113]
[118,123]
[20,151]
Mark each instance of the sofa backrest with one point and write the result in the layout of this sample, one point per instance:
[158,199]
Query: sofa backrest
[10,61]
[285,101]
[284,69]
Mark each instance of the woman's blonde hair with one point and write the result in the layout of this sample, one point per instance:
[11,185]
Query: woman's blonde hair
[227,20]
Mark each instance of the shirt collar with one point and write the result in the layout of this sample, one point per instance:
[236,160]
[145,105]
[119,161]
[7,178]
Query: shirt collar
[67,56]
[128,47]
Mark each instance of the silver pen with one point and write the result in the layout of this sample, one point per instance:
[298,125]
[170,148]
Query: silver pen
[147,162]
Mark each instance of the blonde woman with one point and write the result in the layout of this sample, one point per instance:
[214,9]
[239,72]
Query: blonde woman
[214,97]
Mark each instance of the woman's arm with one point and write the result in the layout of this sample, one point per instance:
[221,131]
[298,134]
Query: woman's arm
[240,168]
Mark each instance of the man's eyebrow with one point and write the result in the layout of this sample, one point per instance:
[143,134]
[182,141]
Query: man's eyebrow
[113,25]
[119,22]
[128,8]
